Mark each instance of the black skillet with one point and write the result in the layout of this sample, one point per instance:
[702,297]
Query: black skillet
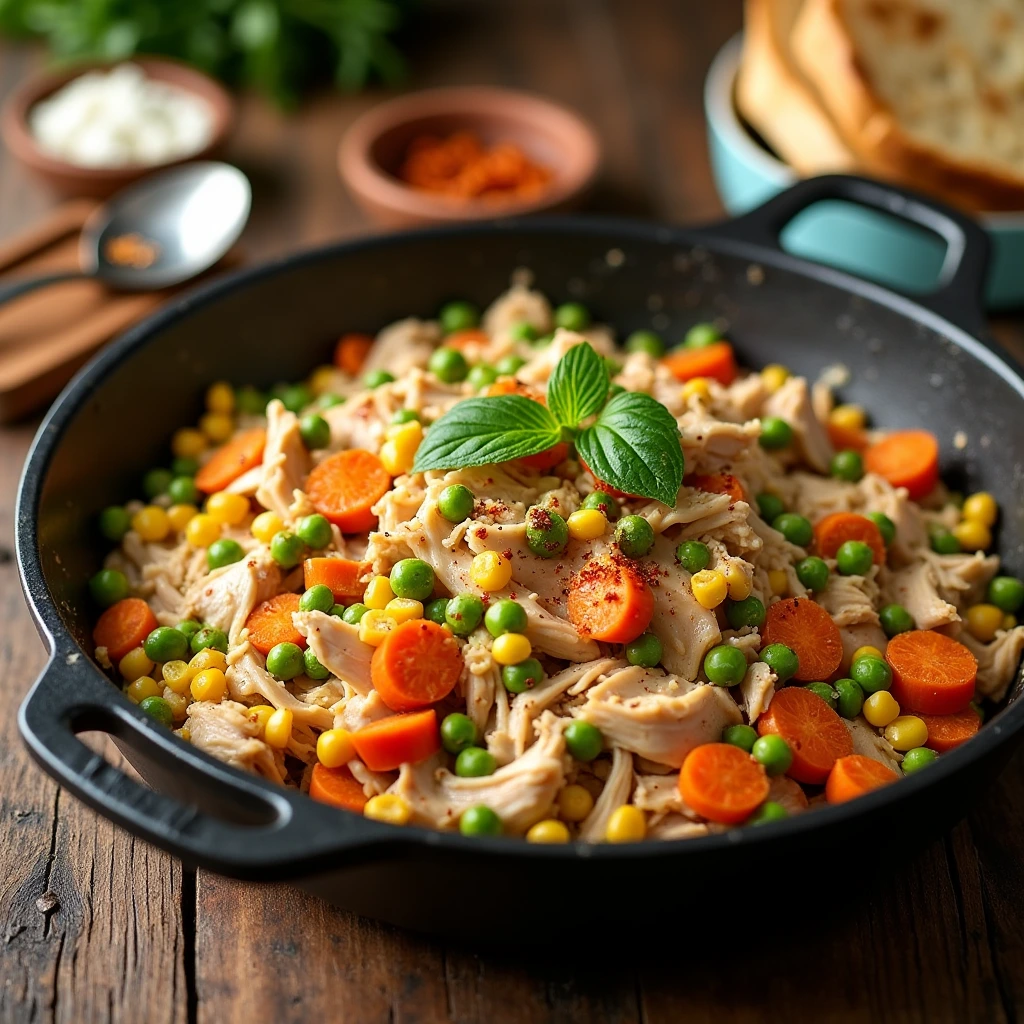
[921,362]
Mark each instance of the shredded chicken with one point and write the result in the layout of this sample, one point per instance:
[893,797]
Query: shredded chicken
[227,732]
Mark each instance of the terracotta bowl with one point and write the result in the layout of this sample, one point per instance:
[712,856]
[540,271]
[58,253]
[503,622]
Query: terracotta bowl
[373,148]
[71,179]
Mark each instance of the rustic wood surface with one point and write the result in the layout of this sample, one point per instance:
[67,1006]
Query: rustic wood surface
[95,926]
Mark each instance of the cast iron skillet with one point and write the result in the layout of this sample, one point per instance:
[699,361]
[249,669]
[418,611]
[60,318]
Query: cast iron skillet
[913,363]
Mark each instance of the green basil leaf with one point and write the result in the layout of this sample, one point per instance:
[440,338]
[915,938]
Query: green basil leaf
[578,385]
[634,447]
[480,431]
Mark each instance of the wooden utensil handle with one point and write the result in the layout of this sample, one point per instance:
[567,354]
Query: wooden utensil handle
[13,289]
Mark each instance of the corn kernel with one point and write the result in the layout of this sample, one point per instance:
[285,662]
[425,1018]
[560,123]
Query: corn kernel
[1009,622]
[186,734]
[695,387]
[141,688]
[151,523]
[574,803]
[847,417]
[260,714]
[774,376]
[134,664]
[981,508]
[587,524]
[334,748]
[881,708]
[177,675]
[549,831]
[374,626]
[208,658]
[867,651]
[973,536]
[179,516]
[413,429]
[738,582]
[220,397]
[265,525]
[709,588]
[178,703]
[188,443]
[202,530]
[322,379]
[389,458]
[906,732]
[210,684]
[627,824]
[511,648]
[778,580]
[399,451]
[217,426]
[490,571]
[227,508]
[388,807]
[404,609]
[278,730]
[378,592]
[983,621]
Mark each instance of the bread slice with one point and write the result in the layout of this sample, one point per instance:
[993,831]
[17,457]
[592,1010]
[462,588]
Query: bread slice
[927,92]
[776,99]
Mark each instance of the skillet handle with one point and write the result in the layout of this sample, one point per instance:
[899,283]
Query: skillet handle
[276,834]
[958,296]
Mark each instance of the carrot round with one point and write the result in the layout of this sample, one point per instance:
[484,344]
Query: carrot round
[466,338]
[401,739]
[418,663]
[337,787]
[808,629]
[848,438]
[716,361]
[906,458]
[351,351]
[717,483]
[609,600]
[243,452]
[948,731]
[270,623]
[346,486]
[124,626]
[832,532]
[854,775]
[342,575]
[547,459]
[814,732]
[932,674]
[722,783]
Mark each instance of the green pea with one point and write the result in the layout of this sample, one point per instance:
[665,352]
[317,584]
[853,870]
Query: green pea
[702,335]
[523,331]
[413,578]
[114,522]
[182,490]
[847,465]
[286,549]
[573,316]
[895,619]
[250,401]
[776,433]
[337,610]
[456,503]
[505,616]
[458,316]
[312,666]
[188,628]
[615,389]
[449,365]
[436,610]
[1006,593]
[646,341]
[917,758]
[482,375]
[400,416]
[295,397]
[224,551]
[748,612]
[475,762]
[315,431]
[329,401]
[693,555]
[583,740]
[725,665]
[319,598]
[209,637]
[464,613]
[613,366]
[480,821]
[522,677]
[184,465]
[314,531]
[285,661]
[770,506]
[825,692]
[544,340]
[782,660]
[353,613]
[768,812]
[108,587]
[509,366]
[603,503]
[871,674]
[376,378]
[645,651]
[457,733]
[796,529]
[547,533]
[634,536]
[742,736]
[886,527]
[166,644]
[854,558]
[773,753]
[813,573]
[156,482]
[850,699]
[944,543]
[158,709]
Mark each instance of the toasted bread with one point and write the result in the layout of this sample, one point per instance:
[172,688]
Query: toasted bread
[775,98]
[927,92]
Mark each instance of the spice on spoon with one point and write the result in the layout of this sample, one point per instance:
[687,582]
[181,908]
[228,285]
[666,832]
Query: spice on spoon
[131,250]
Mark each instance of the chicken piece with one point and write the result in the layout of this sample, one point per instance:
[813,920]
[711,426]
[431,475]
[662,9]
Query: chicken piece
[362,421]
[479,689]
[711,445]
[998,661]
[374,783]
[403,345]
[357,709]
[963,579]
[248,483]
[539,368]
[616,792]
[850,600]
[226,596]
[731,527]
[792,402]
[869,743]
[286,462]
[227,732]
[675,826]
[247,676]
[757,689]
[337,647]
[911,535]
[741,401]
[863,634]
[659,795]
[496,734]
[400,504]
[818,496]
[916,588]
[790,794]
[692,506]
[520,304]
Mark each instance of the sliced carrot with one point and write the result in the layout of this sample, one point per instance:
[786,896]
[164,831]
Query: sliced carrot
[609,600]
[547,459]
[814,732]
[507,386]
[351,351]
[417,664]
[948,731]
[270,623]
[832,532]
[906,458]
[722,783]
[717,483]
[932,674]
[848,438]
[337,787]
[243,452]
[854,775]
[808,629]
[342,575]
[715,361]
[401,739]
[466,339]
[346,486]
[124,626]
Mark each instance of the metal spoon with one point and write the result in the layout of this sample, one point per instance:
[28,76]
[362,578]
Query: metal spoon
[183,220]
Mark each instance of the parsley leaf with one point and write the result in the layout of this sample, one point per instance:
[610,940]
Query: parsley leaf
[578,385]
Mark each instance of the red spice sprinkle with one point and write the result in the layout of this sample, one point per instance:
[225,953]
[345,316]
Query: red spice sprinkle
[507,554]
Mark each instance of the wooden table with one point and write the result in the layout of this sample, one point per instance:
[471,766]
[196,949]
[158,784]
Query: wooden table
[95,926]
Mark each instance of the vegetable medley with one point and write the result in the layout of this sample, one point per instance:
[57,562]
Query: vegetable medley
[497,574]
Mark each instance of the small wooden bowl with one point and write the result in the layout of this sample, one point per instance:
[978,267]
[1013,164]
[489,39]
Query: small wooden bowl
[373,148]
[71,179]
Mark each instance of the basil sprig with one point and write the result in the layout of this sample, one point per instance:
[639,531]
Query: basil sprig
[632,445]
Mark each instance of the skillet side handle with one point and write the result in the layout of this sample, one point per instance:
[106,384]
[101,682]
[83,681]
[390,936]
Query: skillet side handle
[959,293]
[284,835]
